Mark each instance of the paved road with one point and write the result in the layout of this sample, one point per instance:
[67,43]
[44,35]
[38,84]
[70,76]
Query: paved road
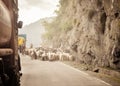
[45,73]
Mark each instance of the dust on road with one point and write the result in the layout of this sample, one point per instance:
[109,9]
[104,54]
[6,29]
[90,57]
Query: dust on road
[46,73]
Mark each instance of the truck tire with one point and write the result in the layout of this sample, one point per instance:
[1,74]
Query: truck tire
[1,83]
[14,78]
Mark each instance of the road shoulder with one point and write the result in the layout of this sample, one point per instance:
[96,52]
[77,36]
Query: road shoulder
[107,78]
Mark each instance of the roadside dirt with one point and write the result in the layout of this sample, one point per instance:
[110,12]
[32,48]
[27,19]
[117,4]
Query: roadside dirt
[107,78]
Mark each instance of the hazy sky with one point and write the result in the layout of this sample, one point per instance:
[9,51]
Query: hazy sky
[33,10]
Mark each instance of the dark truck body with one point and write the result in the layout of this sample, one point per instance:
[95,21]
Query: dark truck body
[9,58]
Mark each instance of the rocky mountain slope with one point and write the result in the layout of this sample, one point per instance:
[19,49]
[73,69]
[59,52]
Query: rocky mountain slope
[90,29]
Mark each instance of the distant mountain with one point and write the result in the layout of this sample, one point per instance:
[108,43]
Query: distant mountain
[34,32]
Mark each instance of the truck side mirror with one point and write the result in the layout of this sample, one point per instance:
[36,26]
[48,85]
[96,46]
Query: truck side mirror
[20,24]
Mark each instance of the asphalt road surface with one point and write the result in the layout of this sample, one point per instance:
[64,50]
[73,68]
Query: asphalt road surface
[45,73]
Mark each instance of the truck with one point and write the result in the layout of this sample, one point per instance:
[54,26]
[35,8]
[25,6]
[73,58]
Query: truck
[9,59]
[22,43]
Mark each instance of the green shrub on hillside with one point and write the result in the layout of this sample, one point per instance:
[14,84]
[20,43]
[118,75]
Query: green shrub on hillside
[61,24]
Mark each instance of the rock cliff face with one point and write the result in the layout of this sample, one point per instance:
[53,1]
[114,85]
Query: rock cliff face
[94,37]
[96,32]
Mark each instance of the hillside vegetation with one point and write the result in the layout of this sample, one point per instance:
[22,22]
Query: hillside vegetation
[89,29]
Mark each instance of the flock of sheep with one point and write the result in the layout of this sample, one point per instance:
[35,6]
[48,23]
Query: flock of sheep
[49,54]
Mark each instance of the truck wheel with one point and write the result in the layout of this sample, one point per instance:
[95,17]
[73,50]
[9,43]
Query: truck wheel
[14,77]
[1,83]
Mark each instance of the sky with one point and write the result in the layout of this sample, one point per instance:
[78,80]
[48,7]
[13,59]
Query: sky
[33,10]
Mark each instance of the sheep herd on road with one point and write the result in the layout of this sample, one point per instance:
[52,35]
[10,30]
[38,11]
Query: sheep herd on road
[49,54]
